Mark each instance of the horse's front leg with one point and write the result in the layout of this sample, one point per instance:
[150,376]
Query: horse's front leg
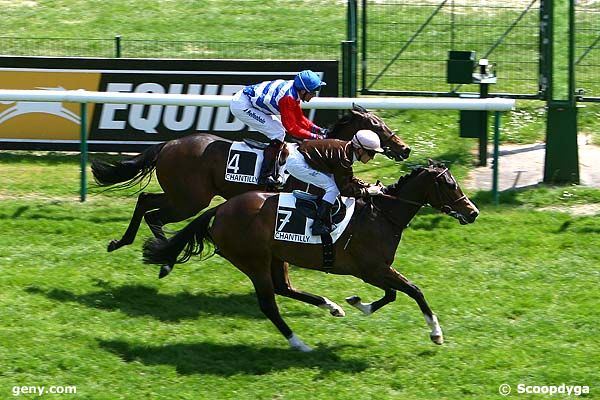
[397,281]
[392,281]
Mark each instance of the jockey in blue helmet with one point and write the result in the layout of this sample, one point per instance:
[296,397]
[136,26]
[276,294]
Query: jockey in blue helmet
[273,109]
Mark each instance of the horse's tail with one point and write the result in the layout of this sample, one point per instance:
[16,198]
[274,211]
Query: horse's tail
[130,171]
[190,240]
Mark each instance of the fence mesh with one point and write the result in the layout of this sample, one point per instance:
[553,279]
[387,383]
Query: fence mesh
[229,50]
[57,47]
[407,42]
[404,45]
[587,47]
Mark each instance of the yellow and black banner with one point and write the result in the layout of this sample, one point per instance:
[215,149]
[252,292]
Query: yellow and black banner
[53,125]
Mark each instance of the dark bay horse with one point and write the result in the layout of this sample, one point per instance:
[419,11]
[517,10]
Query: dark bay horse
[242,230]
[191,172]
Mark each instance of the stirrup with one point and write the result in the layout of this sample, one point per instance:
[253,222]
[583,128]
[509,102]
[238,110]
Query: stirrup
[269,180]
[320,229]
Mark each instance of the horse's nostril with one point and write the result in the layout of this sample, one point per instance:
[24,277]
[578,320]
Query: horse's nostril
[473,215]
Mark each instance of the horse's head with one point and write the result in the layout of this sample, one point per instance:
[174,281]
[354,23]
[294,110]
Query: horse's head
[435,185]
[359,118]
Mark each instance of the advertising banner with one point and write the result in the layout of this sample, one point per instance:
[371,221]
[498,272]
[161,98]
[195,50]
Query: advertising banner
[51,125]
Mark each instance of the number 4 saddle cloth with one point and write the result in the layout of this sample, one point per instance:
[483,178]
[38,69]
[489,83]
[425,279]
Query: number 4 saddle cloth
[244,162]
[295,218]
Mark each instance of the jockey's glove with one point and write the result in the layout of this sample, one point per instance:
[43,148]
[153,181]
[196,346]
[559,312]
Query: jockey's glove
[317,130]
[316,136]
[374,190]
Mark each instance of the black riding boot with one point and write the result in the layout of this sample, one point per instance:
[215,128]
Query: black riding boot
[269,171]
[323,221]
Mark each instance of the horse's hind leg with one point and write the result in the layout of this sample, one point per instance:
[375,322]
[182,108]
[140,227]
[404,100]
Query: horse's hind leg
[265,293]
[145,203]
[156,219]
[283,287]
[370,308]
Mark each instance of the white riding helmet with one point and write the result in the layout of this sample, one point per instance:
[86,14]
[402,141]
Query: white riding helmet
[367,140]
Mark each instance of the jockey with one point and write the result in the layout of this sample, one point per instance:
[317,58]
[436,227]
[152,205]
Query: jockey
[328,164]
[273,108]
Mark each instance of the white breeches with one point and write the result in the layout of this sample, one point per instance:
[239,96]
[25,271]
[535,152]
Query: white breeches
[268,125]
[297,166]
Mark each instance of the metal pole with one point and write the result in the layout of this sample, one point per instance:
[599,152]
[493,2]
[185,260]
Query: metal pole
[495,193]
[483,139]
[83,149]
[363,50]
[118,46]
[352,12]
[561,163]
[352,33]
[346,69]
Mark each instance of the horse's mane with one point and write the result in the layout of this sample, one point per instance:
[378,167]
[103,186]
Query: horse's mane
[349,117]
[394,188]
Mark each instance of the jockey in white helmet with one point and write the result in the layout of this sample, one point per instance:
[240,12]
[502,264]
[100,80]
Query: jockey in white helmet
[328,164]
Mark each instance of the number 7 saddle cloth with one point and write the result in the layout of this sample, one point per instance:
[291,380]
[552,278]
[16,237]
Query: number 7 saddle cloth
[293,224]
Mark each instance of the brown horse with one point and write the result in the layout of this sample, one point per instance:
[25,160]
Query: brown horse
[191,172]
[243,227]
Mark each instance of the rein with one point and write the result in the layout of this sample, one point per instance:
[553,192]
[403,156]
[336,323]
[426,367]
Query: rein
[389,216]
[446,207]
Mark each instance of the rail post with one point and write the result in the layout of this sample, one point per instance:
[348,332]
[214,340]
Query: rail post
[83,149]
[118,46]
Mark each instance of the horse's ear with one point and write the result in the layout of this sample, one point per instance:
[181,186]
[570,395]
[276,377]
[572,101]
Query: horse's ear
[357,108]
[436,164]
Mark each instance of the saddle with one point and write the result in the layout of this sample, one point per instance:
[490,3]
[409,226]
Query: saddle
[307,204]
[281,157]
[255,144]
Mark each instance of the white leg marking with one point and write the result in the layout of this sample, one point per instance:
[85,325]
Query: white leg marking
[355,302]
[436,335]
[296,343]
[333,308]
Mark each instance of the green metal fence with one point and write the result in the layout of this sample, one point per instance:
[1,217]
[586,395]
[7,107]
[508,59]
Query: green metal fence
[587,49]
[405,44]
[57,47]
[124,47]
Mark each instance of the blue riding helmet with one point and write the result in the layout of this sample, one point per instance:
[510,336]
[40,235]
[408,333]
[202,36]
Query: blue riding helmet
[308,80]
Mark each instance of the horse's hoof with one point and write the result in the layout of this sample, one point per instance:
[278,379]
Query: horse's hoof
[437,339]
[164,271]
[353,300]
[338,312]
[296,343]
[113,245]
[334,309]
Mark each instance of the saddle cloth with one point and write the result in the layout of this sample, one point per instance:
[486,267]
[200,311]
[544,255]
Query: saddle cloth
[293,226]
[244,162]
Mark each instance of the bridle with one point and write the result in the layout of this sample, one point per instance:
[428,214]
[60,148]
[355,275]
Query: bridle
[446,207]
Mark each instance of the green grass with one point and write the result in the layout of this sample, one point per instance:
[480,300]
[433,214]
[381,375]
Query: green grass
[516,294]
